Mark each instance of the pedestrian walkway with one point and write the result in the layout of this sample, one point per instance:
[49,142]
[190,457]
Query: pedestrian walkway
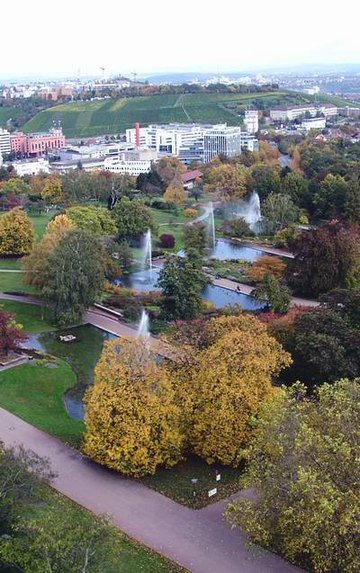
[201,540]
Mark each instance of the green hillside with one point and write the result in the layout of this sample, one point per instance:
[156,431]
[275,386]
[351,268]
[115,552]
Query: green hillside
[113,116]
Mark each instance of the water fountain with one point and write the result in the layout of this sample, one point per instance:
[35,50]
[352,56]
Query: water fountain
[208,218]
[250,211]
[147,255]
[143,328]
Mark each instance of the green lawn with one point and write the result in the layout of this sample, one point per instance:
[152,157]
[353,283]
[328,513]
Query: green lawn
[10,264]
[34,392]
[176,482]
[40,222]
[12,282]
[118,554]
[171,223]
[29,315]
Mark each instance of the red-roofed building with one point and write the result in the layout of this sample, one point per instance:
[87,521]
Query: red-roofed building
[188,179]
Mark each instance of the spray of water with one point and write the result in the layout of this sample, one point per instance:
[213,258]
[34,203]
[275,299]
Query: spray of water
[143,328]
[146,260]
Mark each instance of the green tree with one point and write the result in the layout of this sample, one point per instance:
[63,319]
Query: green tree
[324,342]
[276,296]
[279,211]
[132,218]
[182,281]
[195,237]
[131,419]
[16,233]
[58,539]
[74,276]
[330,197]
[296,186]
[305,468]
[96,220]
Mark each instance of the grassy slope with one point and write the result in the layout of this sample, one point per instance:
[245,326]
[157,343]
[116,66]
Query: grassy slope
[12,282]
[114,116]
[34,392]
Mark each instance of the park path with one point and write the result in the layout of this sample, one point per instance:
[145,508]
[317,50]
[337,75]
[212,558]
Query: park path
[247,289]
[265,249]
[200,540]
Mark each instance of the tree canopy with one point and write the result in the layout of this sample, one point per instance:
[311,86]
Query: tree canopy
[304,466]
[74,276]
[132,218]
[16,233]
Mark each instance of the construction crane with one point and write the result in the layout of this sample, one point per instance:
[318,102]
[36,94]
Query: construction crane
[134,75]
[102,68]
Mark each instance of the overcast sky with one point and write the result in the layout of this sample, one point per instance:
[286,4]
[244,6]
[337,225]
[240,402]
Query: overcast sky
[43,37]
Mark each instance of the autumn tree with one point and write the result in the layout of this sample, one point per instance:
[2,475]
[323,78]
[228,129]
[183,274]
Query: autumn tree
[175,194]
[226,382]
[265,266]
[132,218]
[305,469]
[11,334]
[74,276]
[326,257]
[35,263]
[131,419]
[227,180]
[16,233]
[52,189]
[96,220]
[168,169]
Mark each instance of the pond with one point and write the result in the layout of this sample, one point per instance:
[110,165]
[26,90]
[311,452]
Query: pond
[220,297]
[82,355]
[230,250]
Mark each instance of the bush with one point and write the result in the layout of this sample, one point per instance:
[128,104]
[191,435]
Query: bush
[237,228]
[167,241]
[190,213]
[285,237]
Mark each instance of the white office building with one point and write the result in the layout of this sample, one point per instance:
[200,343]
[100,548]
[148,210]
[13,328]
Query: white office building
[5,144]
[251,120]
[193,142]
[313,123]
[31,167]
[228,141]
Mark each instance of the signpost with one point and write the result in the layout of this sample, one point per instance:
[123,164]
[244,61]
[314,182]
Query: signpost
[212,492]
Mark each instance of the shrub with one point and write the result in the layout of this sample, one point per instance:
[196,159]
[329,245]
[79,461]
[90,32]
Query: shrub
[167,241]
[237,228]
[190,213]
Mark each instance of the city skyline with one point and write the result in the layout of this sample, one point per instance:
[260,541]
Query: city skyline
[78,40]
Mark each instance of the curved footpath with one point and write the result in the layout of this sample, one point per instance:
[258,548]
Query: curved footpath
[199,540]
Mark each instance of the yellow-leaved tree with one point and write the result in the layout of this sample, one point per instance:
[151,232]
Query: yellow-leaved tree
[35,263]
[175,193]
[222,388]
[16,233]
[132,422]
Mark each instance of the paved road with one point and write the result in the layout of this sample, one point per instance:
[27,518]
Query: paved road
[200,540]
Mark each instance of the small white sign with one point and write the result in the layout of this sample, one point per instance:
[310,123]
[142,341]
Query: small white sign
[212,492]
[218,477]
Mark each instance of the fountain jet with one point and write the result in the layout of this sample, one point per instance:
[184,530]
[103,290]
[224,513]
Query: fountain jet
[147,255]
[143,328]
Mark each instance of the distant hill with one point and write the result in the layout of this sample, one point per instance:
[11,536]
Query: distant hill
[113,116]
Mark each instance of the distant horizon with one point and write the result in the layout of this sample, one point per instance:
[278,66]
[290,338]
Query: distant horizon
[319,67]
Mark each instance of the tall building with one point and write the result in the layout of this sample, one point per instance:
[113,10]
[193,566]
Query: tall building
[5,145]
[251,121]
[228,141]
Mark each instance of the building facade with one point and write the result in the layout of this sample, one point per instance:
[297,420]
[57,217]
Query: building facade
[283,113]
[251,121]
[5,143]
[36,144]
